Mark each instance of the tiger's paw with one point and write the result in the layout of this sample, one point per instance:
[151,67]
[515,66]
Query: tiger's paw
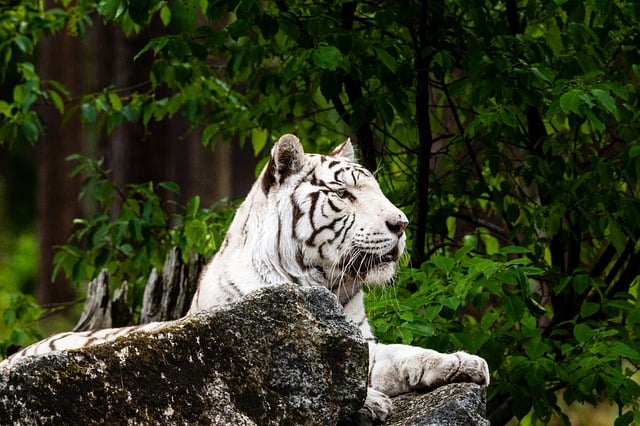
[397,369]
[377,408]
[424,370]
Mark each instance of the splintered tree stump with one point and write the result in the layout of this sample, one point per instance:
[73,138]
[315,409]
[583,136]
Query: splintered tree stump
[166,297]
[96,313]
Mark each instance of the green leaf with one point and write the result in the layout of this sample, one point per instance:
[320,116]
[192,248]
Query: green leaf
[521,407]
[209,133]
[57,101]
[386,59]
[514,307]
[491,243]
[100,236]
[581,282]
[30,131]
[618,238]
[195,231]
[165,15]
[111,9]
[543,73]
[572,100]
[443,263]
[605,100]
[24,44]
[481,265]
[193,205]
[258,140]
[582,332]
[5,109]
[89,113]
[115,101]
[102,258]
[627,419]
[170,186]
[625,351]
[536,349]
[157,45]
[431,312]
[327,57]
[589,308]
[406,335]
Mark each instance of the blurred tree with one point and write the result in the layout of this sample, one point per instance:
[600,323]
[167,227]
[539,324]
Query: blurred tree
[57,194]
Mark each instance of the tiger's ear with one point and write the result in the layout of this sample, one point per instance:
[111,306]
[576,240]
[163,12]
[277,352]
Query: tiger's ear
[287,157]
[345,149]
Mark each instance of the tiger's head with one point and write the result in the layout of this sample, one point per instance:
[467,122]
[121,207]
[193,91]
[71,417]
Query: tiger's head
[335,226]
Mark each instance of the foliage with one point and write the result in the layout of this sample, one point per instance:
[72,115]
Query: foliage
[18,311]
[136,239]
[487,305]
[495,124]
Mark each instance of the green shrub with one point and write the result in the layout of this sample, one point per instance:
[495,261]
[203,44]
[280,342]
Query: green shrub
[495,306]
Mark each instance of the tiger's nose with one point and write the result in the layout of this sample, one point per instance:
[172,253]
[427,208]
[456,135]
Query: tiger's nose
[397,226]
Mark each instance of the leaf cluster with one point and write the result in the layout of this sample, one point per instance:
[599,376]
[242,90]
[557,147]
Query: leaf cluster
[491,305]
[19,312]
[133,228]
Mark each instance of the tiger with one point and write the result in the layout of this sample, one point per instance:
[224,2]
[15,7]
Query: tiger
[316,220]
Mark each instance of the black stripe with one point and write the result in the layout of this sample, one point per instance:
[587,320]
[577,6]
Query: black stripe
[244,231]
[331,227]
[333,206]
[230,288]
[314,201]
[278,238]
[52,341]
[268,179]
[297,214]
[300,259]
[347,228]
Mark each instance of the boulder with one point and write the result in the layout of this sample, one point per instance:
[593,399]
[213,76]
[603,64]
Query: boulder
[283,355]
[456,404]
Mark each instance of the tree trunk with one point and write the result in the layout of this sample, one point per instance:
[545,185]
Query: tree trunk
[57,201]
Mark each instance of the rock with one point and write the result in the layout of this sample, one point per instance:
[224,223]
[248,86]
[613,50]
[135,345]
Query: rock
[283,355]
[456,404]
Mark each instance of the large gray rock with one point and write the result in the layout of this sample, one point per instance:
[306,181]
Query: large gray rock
[283,355]
[456,404]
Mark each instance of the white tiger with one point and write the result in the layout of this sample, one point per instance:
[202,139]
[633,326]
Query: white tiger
[319,220]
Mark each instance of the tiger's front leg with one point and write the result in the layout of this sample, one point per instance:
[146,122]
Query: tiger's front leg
[397,369]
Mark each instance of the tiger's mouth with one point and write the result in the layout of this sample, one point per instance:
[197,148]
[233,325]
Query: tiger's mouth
[360,263]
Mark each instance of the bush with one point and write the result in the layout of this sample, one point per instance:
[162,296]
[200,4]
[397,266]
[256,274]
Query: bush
[494,306]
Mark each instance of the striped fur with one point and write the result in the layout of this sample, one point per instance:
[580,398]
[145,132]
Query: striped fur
[323,221]
[313,220]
